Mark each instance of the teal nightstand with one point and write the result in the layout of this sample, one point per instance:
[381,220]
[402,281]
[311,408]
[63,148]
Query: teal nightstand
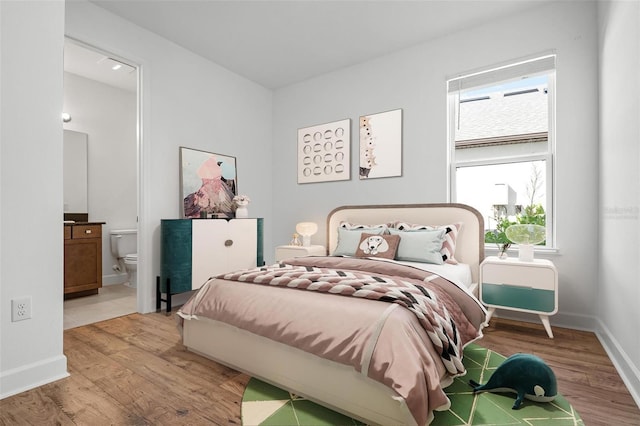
[520,286]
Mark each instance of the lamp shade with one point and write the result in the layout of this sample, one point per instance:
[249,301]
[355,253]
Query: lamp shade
[306,229]
[526,235]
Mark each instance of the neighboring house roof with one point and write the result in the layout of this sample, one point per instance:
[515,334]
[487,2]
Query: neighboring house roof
[503,118]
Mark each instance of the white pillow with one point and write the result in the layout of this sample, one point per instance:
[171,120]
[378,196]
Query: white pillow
[423,246]
[450,236]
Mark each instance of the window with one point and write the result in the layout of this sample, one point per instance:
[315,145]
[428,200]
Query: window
[501,127]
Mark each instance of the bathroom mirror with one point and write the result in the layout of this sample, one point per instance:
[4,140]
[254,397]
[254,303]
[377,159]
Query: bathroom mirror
[75,172]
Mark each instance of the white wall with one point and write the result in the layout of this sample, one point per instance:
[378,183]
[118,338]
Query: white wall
[31,35]
[415,80]
[186,101]
[109,116]
[619,277]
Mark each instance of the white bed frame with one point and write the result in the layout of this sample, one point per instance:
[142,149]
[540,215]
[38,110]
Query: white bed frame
[334,385]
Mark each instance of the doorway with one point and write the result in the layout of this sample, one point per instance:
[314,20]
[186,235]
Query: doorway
[101,100]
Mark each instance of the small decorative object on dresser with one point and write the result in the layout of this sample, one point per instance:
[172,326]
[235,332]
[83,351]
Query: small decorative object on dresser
[241,201]
[295,241]
[524,286]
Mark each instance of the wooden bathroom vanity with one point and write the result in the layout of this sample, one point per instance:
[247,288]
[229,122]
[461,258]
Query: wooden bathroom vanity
[82,258]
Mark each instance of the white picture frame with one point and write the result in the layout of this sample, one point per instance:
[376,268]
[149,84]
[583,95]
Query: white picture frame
[380,145]
[324,152]
[208,183]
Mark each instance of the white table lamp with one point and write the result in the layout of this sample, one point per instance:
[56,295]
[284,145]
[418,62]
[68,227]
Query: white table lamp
[526,235]
[306,229]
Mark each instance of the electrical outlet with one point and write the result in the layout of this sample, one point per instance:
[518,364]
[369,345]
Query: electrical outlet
[21,309]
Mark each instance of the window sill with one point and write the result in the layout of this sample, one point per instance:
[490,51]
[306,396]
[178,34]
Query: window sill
[492,250]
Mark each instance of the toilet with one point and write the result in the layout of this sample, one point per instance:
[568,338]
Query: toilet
[124,246]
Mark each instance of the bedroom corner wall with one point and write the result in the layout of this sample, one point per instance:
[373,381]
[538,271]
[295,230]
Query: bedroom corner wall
[619,255]
[414,79]
[31,36]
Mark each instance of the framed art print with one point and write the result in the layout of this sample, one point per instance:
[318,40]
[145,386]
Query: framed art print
[381,145]
[324,152]
[208,183]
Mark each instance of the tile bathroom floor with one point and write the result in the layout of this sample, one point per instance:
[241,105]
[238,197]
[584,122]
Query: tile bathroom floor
[111,301]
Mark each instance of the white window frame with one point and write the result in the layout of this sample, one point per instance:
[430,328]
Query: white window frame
[473,79]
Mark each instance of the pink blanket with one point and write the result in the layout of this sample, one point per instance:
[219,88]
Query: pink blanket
[413,295]
[384,341]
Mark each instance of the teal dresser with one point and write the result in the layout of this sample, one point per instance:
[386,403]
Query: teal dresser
[194,250]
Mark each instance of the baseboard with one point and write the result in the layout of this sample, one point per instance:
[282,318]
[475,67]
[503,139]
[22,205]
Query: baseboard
[572,321]
[33,375]
[112,279]
[621,361]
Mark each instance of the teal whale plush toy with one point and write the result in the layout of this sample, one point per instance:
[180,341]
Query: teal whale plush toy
[524,374]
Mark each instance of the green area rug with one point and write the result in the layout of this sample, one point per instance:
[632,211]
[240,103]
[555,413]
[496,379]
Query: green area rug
[264,404]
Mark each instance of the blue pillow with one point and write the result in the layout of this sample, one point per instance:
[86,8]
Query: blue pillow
[420,246]
[349,239]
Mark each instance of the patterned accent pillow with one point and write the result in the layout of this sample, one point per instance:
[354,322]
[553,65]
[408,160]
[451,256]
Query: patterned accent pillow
[349,225]
[372,245]
[448,245]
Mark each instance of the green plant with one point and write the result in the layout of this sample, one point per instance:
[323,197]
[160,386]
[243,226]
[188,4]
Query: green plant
[498,235]
[534,214]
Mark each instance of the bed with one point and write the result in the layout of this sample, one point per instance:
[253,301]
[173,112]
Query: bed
[381,363]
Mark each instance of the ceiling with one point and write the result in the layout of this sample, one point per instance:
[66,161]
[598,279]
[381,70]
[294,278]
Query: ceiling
[279,43]
[98,66]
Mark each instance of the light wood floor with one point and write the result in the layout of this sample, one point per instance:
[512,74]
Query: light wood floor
[133,370]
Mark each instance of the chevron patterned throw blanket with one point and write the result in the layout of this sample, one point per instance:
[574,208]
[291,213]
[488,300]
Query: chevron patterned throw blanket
[412,294]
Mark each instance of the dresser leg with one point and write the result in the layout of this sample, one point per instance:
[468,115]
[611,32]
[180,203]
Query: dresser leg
[159,298]
[158,294]
[547,326]
[168,296]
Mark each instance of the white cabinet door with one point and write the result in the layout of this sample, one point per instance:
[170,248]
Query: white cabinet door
[222,246]
[243,234]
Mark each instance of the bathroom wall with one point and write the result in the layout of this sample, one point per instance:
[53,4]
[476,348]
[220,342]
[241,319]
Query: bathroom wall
[108,115]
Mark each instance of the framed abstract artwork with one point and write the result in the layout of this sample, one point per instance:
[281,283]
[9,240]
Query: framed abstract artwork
[381,145]
[208,183]
[324,152]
